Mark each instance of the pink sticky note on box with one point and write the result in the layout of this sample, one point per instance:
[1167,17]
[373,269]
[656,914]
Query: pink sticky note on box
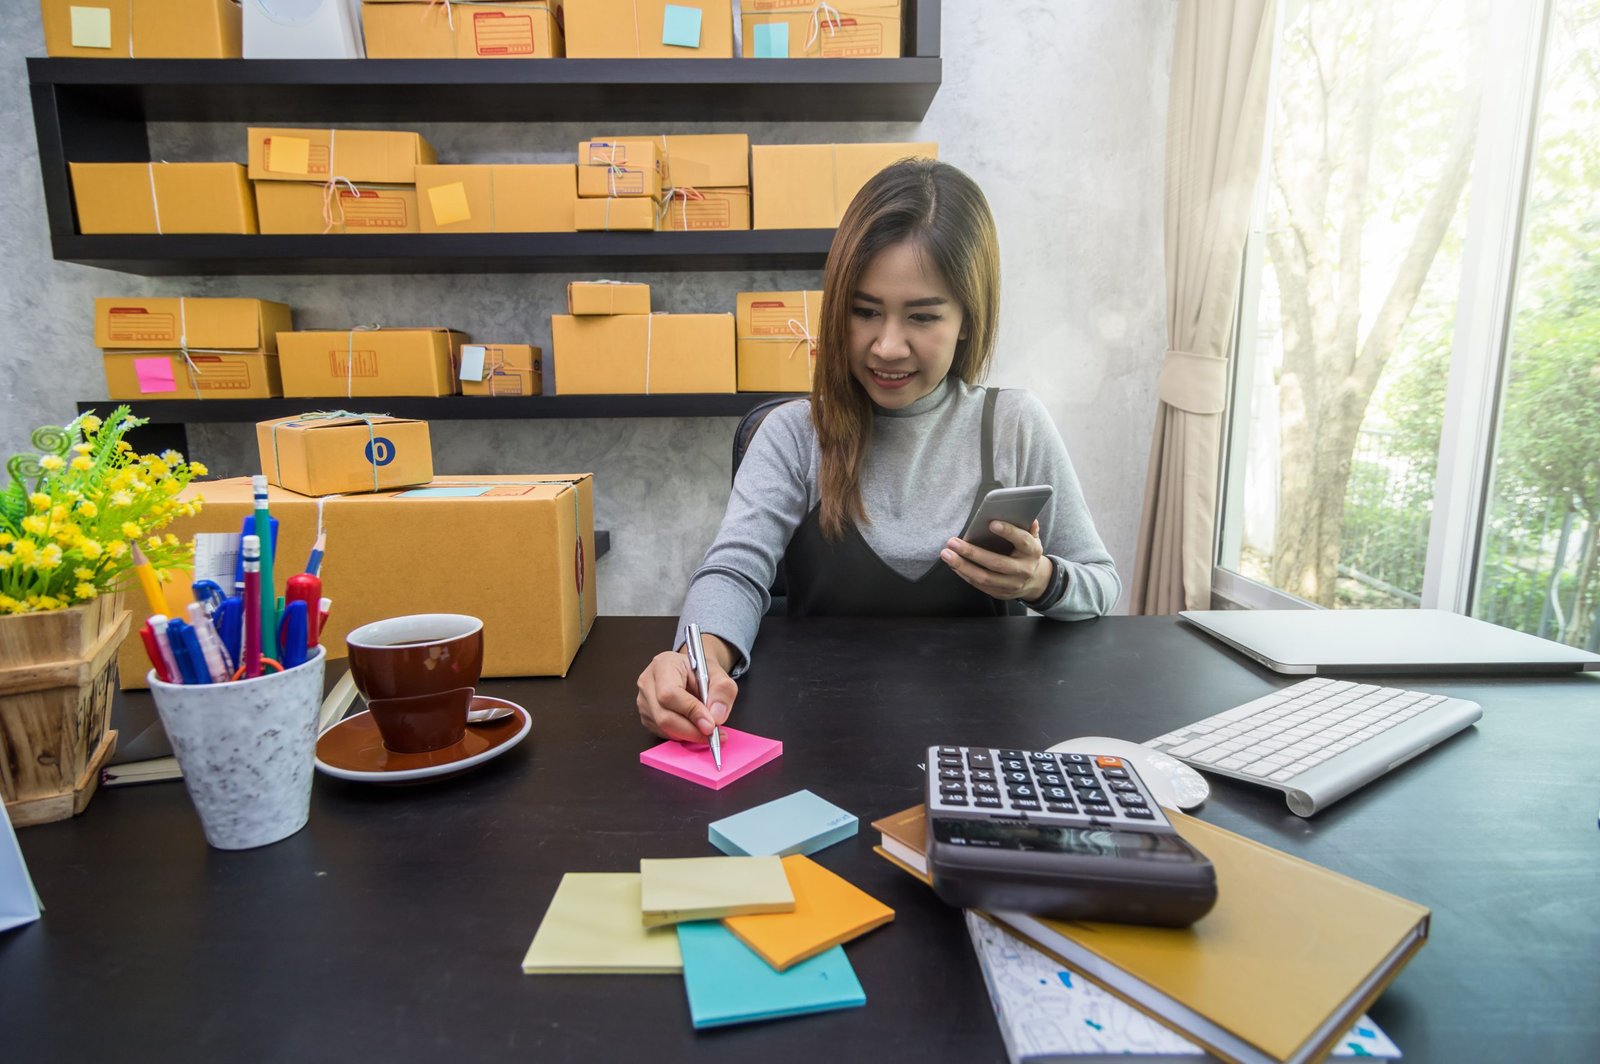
[742,753]
[154,375]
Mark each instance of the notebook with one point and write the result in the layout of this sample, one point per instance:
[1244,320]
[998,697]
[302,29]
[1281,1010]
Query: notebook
[828,911]
[592,926]
[742,754]
[798,823]
[1290,956]
[1049,1014]
[729,984]
[19,902]
[675,890]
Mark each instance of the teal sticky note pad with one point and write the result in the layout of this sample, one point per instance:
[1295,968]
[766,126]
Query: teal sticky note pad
[729,983]
[444,493]
[680,26]
[798,823]
[772,41]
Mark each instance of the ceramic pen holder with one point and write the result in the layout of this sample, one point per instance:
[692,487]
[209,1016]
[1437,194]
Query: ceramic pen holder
[247,750]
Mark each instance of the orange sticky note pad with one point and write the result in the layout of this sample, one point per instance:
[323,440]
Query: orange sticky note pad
[827,911]
[449,203]
[289,155]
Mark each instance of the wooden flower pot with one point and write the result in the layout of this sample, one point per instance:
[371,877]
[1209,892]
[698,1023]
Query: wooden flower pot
[57,674]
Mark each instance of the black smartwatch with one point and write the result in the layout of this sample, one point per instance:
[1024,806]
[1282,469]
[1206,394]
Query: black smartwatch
[1054,590]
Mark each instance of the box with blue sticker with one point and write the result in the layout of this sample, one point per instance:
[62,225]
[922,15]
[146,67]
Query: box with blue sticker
[804,29]
[339,452]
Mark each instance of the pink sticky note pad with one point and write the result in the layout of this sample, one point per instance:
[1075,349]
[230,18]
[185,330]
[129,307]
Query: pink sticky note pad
[742,753]
[154,375]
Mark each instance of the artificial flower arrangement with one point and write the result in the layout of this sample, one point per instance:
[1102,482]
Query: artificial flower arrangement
[73,514]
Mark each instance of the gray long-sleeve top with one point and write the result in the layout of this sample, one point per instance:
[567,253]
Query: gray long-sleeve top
[918,482]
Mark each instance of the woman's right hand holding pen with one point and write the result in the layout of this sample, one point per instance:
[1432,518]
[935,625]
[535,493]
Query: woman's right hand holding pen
[667,702]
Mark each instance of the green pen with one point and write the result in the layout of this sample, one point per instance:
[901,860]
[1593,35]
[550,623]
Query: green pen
[269,599]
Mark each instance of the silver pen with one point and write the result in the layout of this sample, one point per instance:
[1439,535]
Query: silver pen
[702,679]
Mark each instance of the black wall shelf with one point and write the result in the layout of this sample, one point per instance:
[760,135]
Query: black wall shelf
[444,408]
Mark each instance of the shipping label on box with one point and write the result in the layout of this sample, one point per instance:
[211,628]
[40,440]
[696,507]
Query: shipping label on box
[516,550]
[697,209]
[286,207]
[608,215]
[777,340]
[808,186]
[363,156]
[142,29]
[497,198]
[162,198]
[369,362]
[648,354]
[608,297]
[649,29]
[426,29]
[319,454]
[619,168]
[159,374]
[856,29]
[501,369]
[193,322]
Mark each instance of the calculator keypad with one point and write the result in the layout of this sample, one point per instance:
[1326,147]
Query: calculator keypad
[1068,789]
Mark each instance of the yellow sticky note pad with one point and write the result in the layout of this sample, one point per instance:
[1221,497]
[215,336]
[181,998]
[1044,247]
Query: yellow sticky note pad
[289,155]
[828,911]
[674,890]
[592,925]
[449,203]
[91,27]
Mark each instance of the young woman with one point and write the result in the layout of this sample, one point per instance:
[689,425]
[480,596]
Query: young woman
[860,491]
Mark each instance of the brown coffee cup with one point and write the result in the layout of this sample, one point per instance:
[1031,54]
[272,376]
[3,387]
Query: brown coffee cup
[412,671]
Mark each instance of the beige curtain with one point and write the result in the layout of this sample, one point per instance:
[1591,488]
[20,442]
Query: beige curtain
[1221,62]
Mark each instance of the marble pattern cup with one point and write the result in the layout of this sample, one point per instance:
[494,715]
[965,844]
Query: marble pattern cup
[247,750]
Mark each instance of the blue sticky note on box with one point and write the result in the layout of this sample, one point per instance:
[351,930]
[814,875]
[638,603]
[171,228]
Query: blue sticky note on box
[729,983]
[772,40]
[798,823]
[680,26]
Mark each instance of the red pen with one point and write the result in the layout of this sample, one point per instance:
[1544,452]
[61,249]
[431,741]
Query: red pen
[250,548]
[152,648]
[326,607]
[307,588]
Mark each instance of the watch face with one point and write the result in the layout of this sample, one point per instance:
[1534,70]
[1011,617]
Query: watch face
[291,12]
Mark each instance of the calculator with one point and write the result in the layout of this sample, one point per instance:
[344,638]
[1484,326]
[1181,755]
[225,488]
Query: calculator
[1070,836]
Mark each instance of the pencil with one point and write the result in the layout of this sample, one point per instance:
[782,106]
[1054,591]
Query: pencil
[149,581]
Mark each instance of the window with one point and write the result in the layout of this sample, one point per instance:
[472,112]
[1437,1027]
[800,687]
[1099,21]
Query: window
[1416,409]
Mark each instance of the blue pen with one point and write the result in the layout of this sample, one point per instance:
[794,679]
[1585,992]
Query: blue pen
[293,649]
[176,630]
[230,627]
[249,529]
[209,594]
[197,654]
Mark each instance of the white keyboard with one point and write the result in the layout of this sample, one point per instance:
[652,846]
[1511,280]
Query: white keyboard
[1320,739]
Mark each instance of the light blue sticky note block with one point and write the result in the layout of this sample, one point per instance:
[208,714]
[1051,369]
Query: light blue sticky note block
[798,823]
[729,983]
[680,26]
[445,493]
[472,356]
[772,40]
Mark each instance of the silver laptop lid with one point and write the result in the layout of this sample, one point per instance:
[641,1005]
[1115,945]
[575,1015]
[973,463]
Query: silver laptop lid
[1328,642]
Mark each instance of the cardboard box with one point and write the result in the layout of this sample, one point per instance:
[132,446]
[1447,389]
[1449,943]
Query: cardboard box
[854,29]
[154,323]
[507,369]
[608,215]
[516,550]
[369,362]
[364,156]
[650,354]
[696,209]
[336,456]
[639,29]
[158,374]
[498,198]
[777,346]
[717,160]
[808,186]
[162,198]
[142,29]
[608,297]
[420,29]
[299,207]
[619,168]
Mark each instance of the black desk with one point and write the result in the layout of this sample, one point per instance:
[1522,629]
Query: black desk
[393,926]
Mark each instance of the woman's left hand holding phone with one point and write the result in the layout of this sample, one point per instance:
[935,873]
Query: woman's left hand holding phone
[667,702]
[1023,574]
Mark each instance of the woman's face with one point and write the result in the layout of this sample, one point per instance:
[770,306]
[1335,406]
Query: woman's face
[904,325]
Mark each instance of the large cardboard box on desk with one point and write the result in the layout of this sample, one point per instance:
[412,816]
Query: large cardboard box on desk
[647,29]
[352,363]
[427,29]
[375,156]
[804,29]
[516,550]
[808,186]
[162,198]
[643,354]
[315,454]
[142,29]
[497,197]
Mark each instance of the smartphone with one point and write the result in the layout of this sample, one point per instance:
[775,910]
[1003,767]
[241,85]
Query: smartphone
[1016,506]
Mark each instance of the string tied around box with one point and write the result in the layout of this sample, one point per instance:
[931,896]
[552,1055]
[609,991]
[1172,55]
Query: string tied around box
[824,12]
[350,358]
[683,194]
[331,415]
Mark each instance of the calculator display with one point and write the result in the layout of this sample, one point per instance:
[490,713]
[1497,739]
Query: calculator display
[1043,838]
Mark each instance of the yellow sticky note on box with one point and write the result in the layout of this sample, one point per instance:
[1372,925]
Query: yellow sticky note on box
[91,27]
[289,155]
[449,203]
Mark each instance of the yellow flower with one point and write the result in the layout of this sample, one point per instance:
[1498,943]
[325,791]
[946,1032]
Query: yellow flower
[88,509]
[155,466]
[6,538]
[131,529]
[85,590]
[171,487]
[171,457]
[153,543]
[123,446]
[7,603]
[121,498]
[58,513]
[82,463]
[68,535]
[40,501]
[198,469]
[82,448]
[116,548]
[25,550]
[35,524]
[172,540]
[49,558]
[83,573]
[5,560]
[91,549]
[50,602]
[91,424]
[52,463]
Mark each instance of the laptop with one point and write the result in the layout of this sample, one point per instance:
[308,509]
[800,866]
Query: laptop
[1335,642]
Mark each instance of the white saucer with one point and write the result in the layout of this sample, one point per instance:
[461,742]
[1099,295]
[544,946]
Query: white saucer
[353,750]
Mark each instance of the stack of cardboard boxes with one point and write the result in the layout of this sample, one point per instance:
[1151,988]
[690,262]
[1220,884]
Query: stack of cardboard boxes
[190,348]
[337,180]
[620,182]
[610,344]
[708,182]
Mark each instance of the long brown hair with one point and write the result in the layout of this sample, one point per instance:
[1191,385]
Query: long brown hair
[944,213]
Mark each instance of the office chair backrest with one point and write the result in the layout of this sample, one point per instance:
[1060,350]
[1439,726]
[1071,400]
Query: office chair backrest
[741,443]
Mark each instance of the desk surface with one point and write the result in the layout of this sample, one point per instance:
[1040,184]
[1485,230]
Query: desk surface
[392,927]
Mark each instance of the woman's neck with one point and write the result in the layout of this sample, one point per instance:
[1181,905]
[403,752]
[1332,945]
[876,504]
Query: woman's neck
[932,401]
